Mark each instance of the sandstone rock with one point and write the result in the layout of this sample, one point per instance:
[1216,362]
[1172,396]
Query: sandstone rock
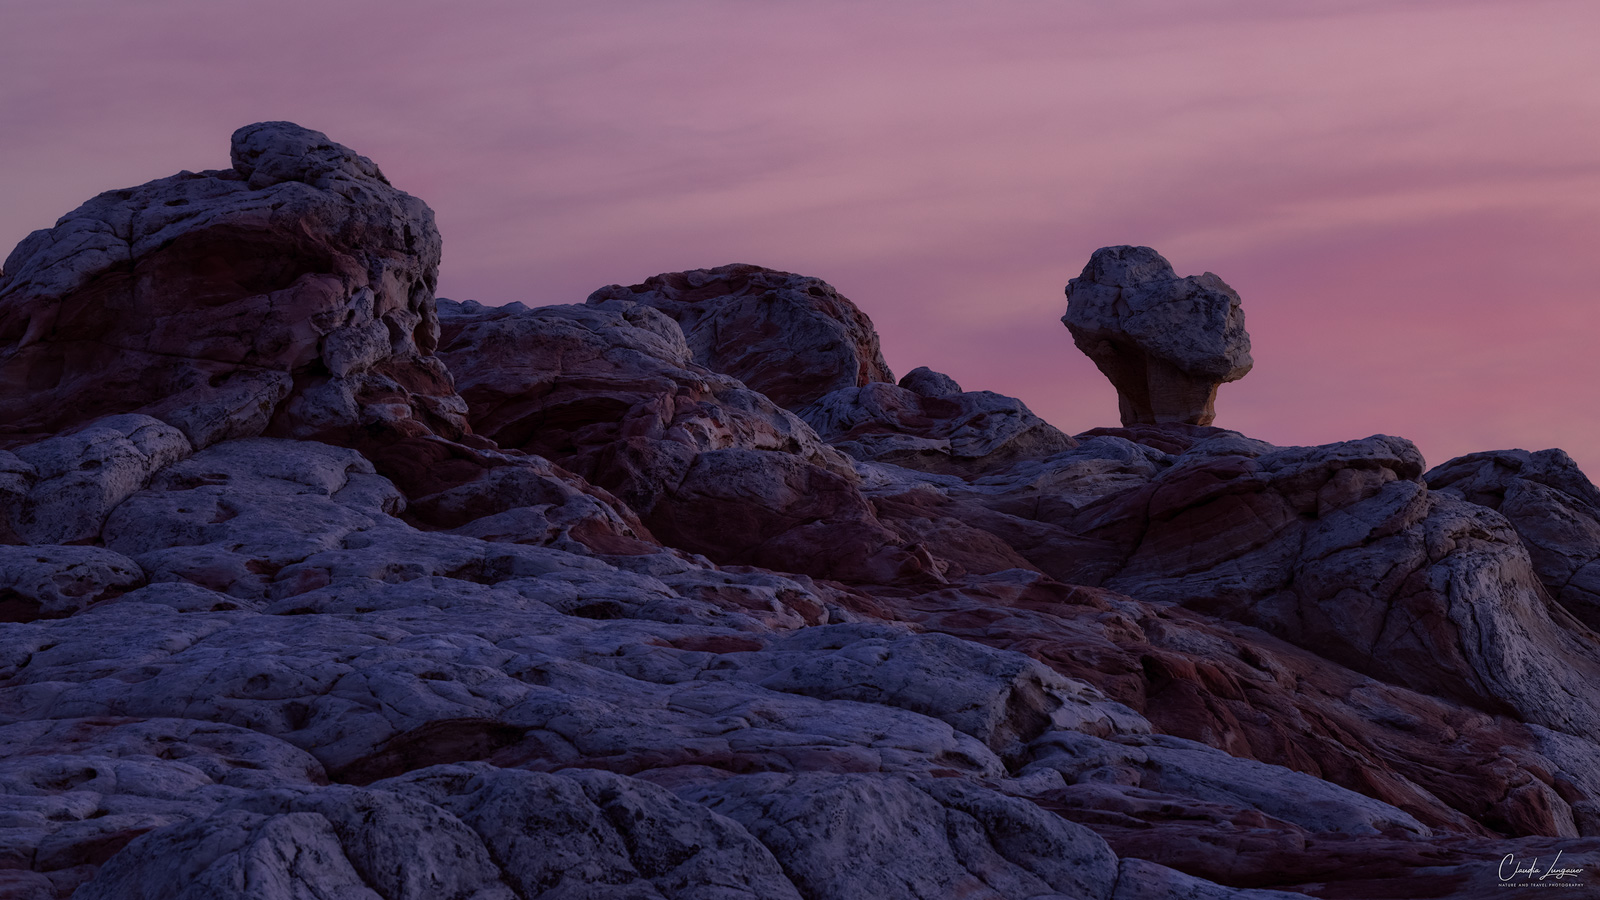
[953,432]
[1003,699]
[1238,689]
[1165,342]
[944,840]
[1139,879]
[1237,666]
[79,790]
[928,383]
[71,482]
[571,834]
[1163,764]
[790,337]
[775,510]
[1339,548]
[399,686]
[233,854]
[1554,508]
[234,515]
[291,295]
[292,292]
[564,381]
[610,391]
[53,582]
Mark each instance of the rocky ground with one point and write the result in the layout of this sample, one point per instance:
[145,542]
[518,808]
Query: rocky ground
[313,586]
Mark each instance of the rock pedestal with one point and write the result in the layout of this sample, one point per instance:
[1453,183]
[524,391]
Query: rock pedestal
[1165,342]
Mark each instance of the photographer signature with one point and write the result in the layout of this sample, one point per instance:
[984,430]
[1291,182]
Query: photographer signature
[1510,869]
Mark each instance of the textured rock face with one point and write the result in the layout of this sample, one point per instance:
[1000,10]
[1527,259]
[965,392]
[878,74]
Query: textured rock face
[933,425]
[1553,507]
[292,292]
[632,628]
[1165,342]
[65,486]
[790,337]
[291,295]
[611,391]
[1341,549]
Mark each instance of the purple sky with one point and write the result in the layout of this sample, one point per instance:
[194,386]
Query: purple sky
[1406,194]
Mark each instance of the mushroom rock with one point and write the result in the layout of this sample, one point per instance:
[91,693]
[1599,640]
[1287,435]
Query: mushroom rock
[1165,342]
[791,337]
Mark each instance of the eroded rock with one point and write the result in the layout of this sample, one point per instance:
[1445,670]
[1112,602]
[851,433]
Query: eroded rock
[290,293]
[1554,508]
[1165,342]
[938,429]
[610,390]
[791,337]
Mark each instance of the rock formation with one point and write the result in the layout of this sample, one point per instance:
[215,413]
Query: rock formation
[788,336]
[1554,508]
[292,292]
[674,594]
[611,391]
[927,422]
[1165,342]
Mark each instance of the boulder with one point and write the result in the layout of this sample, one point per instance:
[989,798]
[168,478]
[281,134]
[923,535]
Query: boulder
[925,381]
[788,336]
[1165,342]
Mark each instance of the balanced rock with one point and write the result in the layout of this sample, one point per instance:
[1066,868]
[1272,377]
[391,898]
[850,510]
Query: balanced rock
[788,336]
[1165,342]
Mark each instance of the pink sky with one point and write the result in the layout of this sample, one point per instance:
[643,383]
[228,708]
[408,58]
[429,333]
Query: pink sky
[1406,194]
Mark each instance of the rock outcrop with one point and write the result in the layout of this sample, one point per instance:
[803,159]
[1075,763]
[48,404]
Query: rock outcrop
[1165,342]
[927,422]
[290,296]
[612,391]
[1554,508]
[600,601]
[788,336]
[290,293]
